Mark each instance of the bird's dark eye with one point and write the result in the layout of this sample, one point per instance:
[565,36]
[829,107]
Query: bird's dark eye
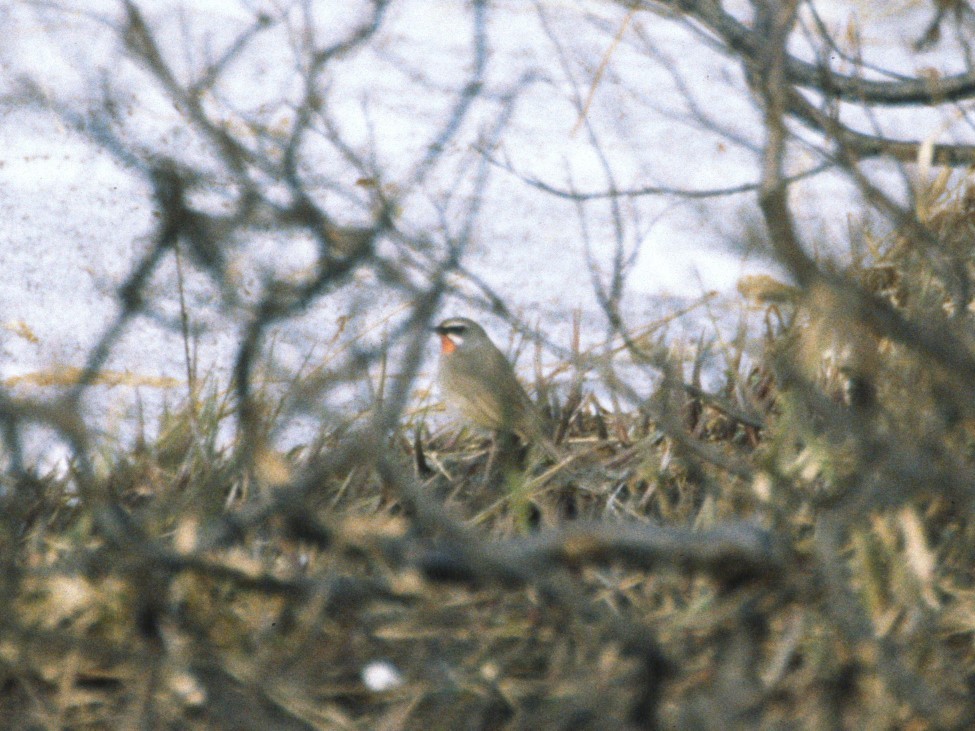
[451,329]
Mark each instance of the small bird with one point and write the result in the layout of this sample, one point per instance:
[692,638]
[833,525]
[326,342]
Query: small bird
[477,379]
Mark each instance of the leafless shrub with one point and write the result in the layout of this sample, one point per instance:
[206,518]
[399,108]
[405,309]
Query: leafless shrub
[789,548]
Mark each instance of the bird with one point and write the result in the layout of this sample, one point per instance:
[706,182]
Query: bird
[477,379]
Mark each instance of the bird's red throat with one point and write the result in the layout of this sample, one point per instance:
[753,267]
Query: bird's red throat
[447,345]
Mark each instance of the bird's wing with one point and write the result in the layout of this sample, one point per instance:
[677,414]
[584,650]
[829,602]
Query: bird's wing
[521,412]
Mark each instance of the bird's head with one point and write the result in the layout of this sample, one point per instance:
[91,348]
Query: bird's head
[459,332]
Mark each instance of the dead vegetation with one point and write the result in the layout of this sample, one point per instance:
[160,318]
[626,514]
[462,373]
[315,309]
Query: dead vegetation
[770,530]
[793,549]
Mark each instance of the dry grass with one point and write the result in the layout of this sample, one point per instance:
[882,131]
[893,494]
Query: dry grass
[794,550]
[277,627]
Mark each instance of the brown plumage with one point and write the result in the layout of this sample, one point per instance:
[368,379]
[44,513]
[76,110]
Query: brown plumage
[477,379]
